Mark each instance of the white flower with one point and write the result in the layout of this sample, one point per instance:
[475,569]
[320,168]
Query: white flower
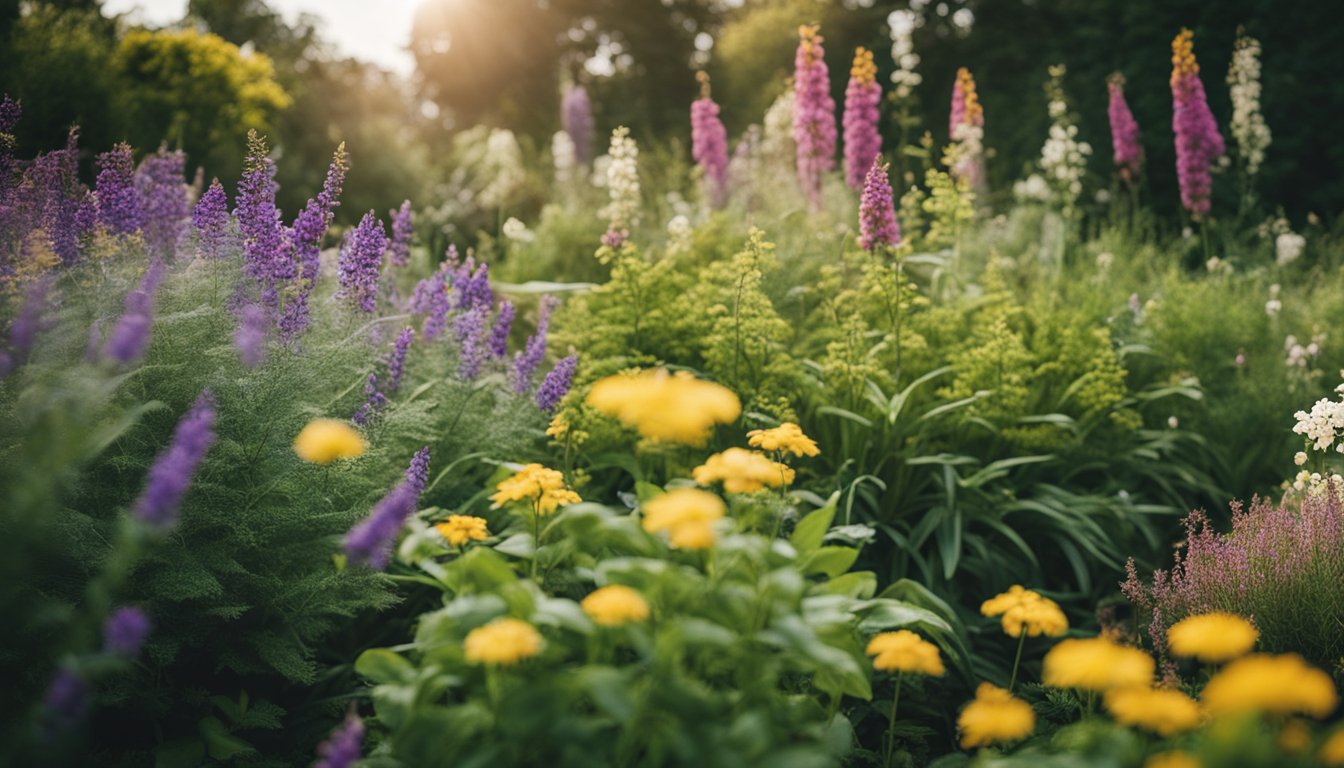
[679,233]
[1248,125]
[1063,156]
[1034,188]
[1300,458]
[562,150]
[622,213]
[777,146]
[518,231]
[503,165]
[1273,307]
[1104,260]
[1287,247]
[903,24]
[1173,422]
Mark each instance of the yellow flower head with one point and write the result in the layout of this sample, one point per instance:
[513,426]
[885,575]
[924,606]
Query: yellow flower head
[460,529]
[1332,749]
[994,716]
[1026,611]
[863,70]
[1096,664]
[667,407]
[974,114]
[686,514]
[614,605]
[787,437]
[904,651]
[323,441]
[543,488]
[1173,759]
[1163,711]
[503,642]
[808,38]
[742,471]
[1212,637]
[1183,56]
[558,427]
[1280,685]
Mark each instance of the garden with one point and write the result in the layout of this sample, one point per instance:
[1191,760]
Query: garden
[681,386]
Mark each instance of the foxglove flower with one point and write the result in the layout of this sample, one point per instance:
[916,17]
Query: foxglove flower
[470,328]
[1248,124]
[862,96]
[1198,141]
[1127,152]
[361,262]
[250,338]
[813,114]
[578,119]
[525,362]
[342,747]
[966,129]
[709,143]
[310,226]
[396,364]
[170,477]
[370,542]
[125,632]
[622,212]
[119,205]
[877,214]
[163,187]
[556,384]
[403,226]
[417,474]
[210,218]
[130,337]
[499,335]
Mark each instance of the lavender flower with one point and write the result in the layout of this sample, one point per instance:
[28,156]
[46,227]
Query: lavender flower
[210,217]
[813,113]
[125,632]
[862,96]
[556,384]
[250,338]
[877,216]
[473,285]
[470,328]
[432,294]
[265,250]
[370,542]
[417,474]
[578,118]
[1198,141]
[64,211]
[310,226]
[119,205]
[525,362]
[171,474]
[396,365]
[342,747]
[27,324]
[65,702]
[374,403]
[161,179]
[130,337]
[1128,154]
[361,262]
[709,143]
[403,226]
[499,335]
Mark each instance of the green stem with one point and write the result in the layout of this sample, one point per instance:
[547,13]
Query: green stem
[536,536]
[1021,641]
[891,722]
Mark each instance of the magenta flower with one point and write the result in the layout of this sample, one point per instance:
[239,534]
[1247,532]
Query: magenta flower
[813,114]
[877,214]
[361,263]
[1198,141]
[170,477]
[1128,152]
[709,143]
[403,226]
[862,140]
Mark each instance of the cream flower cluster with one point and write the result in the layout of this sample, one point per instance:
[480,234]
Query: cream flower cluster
[903,24]
[1323,424]
[1248,124]
[1063,156]
[777,146]
[503,166]
[564,154]
[622,213]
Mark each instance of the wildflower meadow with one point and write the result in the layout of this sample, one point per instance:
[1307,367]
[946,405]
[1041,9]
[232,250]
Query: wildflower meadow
[787,383]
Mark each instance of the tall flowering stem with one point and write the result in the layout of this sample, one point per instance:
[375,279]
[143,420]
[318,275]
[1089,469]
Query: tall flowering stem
[210,218]
[499,335]
[1198,140]
[306,235]
[119,206]
[966,128]
[171,475]
[396,363]
[471,337]
[1125,148]
[250,337]
[361,263]
[556,384]
[525,362]
[577,115]
[622,212]
[264,243]
[161,179]
[1248,124]
[370,542]
[814,130]
[709,143]
[1063,155]
[403,226]
[877,212]
[130,337]
[862,96]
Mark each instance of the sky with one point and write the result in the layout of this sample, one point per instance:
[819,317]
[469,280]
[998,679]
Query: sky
[373,30]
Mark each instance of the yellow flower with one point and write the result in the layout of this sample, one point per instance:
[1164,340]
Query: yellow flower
[558,426]
[460,529]
[904,651]
[742,471]
[686,514]
[326,440]
[1096,664]
[544,488]
[614,605]
[786,437]
[1212,637]
[863,69]
[502,641]
[1280,685]
[995,715]
[1332,750]
[662,406]
[1294,736]
[1025,610]
[1173,759]
[1163,711]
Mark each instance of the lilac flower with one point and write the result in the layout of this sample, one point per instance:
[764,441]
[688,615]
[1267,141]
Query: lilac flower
[250,338]
[361,262]
[171,474]
[499,335]
[63,206]
[65,702]
[130,337]
[470,328]
[525,362]
[862,96]
[615,238]
[396,364]
[813,114]
[578,119]
[374,403]
[1128,154]
[709,143]
[265,250]
[370,542]
[403,226]
[310,226]
[125,632]
[210,217]
[431,299]
[119,205]
[877,215]
[472,283]
[1198,141]
[27,324]
[556,384]
[342,747]
[163,188]
[417,474]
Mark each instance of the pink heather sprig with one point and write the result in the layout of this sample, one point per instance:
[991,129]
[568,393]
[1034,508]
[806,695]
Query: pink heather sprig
[526,361]
[1198,141]
[210,218]
[709,143]
[117,198]
[361,263]
[499,335]
[862,97]
[130,337]
[1127,151]
[163,187]
[877,213]
[577,115]
[403,226]
[814,131]
[171,475]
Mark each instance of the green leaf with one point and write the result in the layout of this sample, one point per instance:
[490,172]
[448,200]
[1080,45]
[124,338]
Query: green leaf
[809,532]
[611,691]
[831,561]
[179,754]
[860,584]
[883,613]
[219,743]
[383,666]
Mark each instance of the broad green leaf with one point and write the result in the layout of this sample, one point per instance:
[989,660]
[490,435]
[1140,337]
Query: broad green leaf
[809,532]
[383,666]
[831,561]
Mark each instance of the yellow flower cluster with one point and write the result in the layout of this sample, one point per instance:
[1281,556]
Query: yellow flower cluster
[1025,611]
[1163,711]
[677,408]
[544,488]
[863,70]
[742,471]
[1280,685]
[502,642]
[904,651]
[994,716]
[460,529]
[1183,56]
[323,441]
[974,112]
[1332,749]
[1212,637]
[1173,759]
[786,438]
[614,605]
[1096,664]
[808,39]
[686,514]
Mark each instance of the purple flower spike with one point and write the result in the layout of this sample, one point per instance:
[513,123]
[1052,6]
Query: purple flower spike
[525,362]
[877,215]
[170,477]
[65,703]
[556,384]
[65,208]
[361,262]
[813,114]
[118,203]
[342,747]
[210,217]
[250,338]
[470,328]
[1198,141]
[130,338]
[310,226]
[862,97]
[396,364]
[709,143]
[578,119]
[265,249]
[499,335]
[403,226]
[417,474]
[161,179]
[27,324]
[125,632]
[1128,153]
[370,542]
[435,300]
[374,404]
